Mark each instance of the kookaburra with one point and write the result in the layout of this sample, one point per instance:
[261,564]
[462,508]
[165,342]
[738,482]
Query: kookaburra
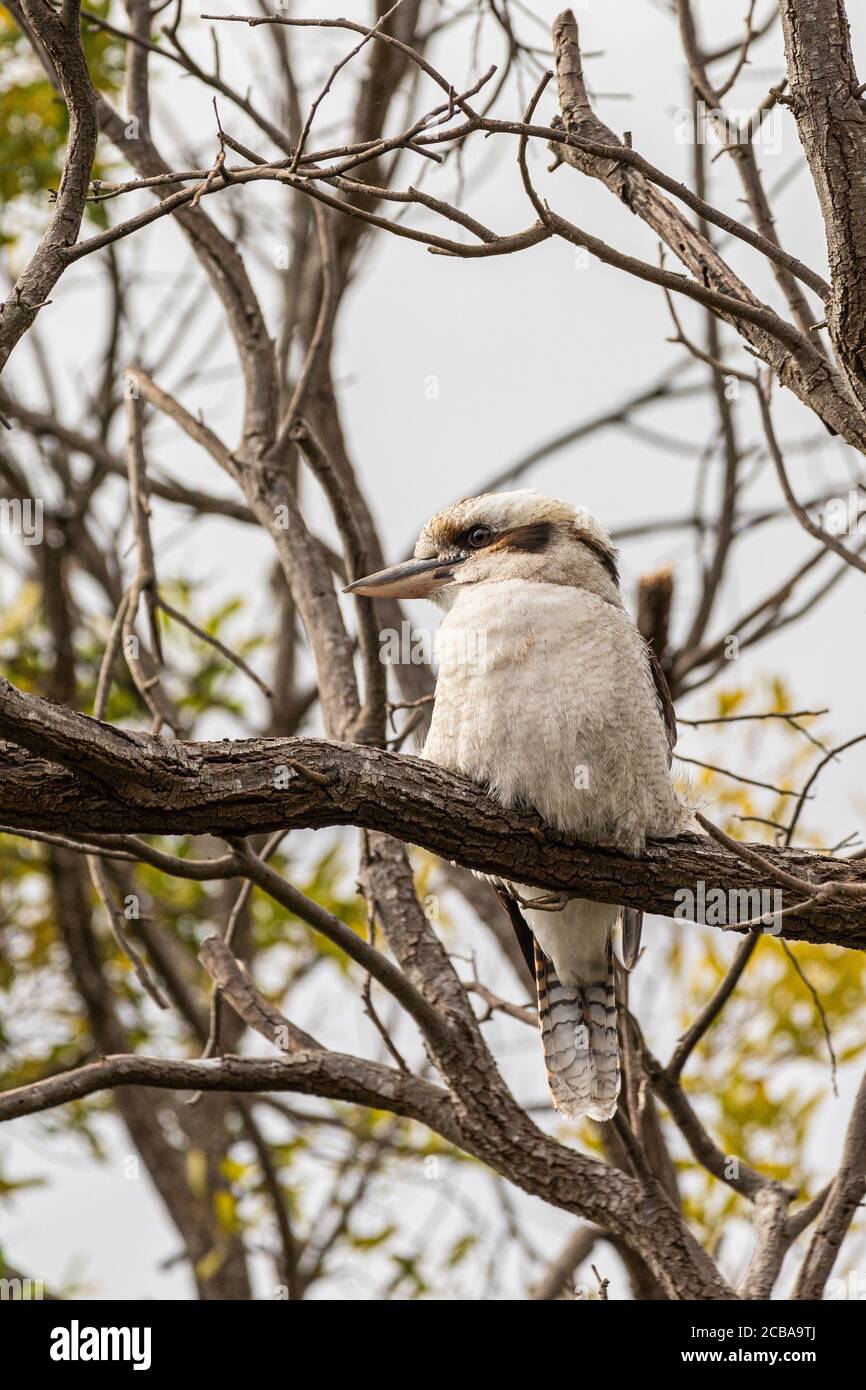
[548,696]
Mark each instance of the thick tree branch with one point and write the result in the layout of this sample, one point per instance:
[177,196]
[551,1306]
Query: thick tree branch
[840,1207]
[58,35]
[825,99]
[113,781]
[319,1073]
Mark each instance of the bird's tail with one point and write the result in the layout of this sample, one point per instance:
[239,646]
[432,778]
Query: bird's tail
[578,1034]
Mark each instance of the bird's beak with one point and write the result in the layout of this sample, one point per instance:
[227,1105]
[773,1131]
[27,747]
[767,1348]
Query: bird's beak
[414,579]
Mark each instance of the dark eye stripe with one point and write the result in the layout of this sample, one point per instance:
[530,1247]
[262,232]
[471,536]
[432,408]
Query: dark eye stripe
[533,537]
[607,557]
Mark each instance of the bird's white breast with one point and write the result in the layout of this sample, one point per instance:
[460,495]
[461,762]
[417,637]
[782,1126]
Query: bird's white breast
[544,695]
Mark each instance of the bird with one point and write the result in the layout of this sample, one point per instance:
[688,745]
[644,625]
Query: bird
[548,697]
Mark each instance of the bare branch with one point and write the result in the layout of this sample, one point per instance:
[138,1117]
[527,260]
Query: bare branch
[825,101]
[797,362]
[840,1207]
[58,35]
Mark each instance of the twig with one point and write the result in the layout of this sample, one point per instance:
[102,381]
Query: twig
[233,984]
[103,888]
[825,537]
[140,508]
[829,756]
[212,1044]
[736,776]
[334,71]
[713,1007]
[822,1014]
[214,642]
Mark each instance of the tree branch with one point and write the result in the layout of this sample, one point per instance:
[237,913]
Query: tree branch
[59,36]
[825,100]
[116,781]
[797,362]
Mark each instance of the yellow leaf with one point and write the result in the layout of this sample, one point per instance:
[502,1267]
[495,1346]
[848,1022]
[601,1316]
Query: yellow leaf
[196,1173]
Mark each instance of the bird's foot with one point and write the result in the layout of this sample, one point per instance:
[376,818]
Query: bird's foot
[547,902]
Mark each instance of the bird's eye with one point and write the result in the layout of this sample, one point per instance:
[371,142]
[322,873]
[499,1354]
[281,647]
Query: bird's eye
[479,536]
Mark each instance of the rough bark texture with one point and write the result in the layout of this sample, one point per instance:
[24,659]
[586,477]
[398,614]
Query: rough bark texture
[59,35]
[826,101]
[116,781]
[843,1202]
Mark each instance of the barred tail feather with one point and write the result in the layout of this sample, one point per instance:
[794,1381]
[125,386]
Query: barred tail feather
[600,997]
[578,1035]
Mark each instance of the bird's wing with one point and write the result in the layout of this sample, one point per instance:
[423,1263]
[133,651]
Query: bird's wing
[524,936]
[666,704]
[632,917]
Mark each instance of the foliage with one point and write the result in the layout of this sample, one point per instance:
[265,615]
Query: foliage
[34,122]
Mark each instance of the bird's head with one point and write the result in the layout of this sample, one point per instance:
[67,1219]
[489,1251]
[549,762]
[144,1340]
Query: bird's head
[500,536]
